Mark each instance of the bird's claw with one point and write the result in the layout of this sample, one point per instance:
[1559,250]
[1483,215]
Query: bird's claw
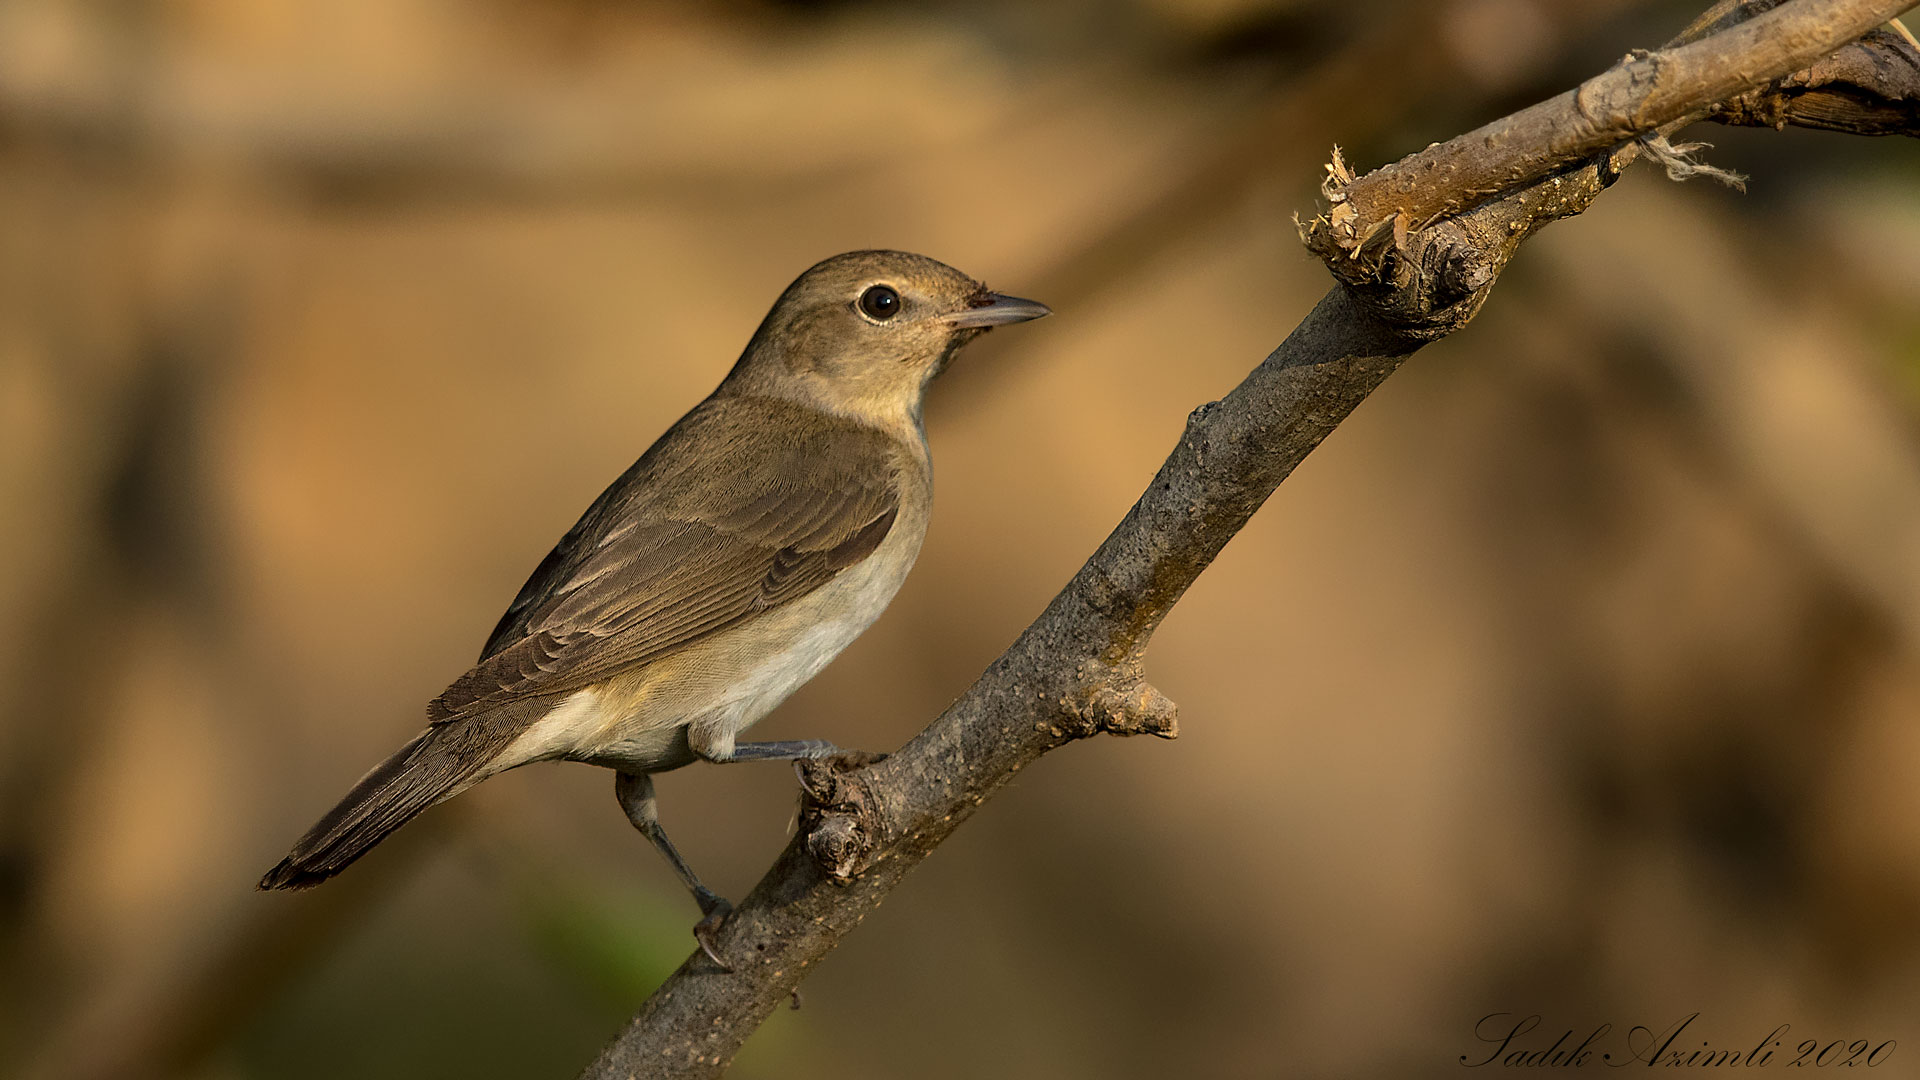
[705,930]
[838,761]
[800,774]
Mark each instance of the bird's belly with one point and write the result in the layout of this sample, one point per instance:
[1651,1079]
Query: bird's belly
[764,662]
[762,686]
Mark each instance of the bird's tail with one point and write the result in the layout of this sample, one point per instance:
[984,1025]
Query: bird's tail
[422,773]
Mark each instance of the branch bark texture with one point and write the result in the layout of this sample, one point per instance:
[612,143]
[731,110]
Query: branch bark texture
[1077,670]
[1642,94]
[1871,87]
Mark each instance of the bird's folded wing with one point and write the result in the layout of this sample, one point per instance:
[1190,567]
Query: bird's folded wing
[711,527]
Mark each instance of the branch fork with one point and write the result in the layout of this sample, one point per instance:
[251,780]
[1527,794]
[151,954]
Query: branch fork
[843,815]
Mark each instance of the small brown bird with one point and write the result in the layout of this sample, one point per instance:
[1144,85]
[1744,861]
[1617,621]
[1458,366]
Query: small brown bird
[743,551]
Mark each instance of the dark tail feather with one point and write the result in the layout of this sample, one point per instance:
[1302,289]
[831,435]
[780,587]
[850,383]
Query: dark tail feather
[421,774]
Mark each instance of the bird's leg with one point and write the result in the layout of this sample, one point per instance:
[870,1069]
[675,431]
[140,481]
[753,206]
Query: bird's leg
[789,750]
[635,792]
[798,751]
[717,745]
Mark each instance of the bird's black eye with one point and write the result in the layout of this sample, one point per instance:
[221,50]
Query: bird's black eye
[880,303]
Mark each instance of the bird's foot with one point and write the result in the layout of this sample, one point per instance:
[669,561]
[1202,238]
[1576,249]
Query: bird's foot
[810,771]
[716,909]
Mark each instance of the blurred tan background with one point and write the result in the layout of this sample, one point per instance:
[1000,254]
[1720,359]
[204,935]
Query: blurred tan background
[1577,674]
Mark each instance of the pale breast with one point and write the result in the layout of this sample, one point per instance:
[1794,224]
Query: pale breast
[796,642]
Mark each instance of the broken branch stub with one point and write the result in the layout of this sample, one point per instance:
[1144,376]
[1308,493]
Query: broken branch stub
[1644,93]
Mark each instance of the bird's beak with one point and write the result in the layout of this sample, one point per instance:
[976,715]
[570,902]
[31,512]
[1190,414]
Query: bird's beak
[992,309]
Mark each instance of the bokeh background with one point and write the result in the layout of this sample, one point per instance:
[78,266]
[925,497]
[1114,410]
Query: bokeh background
[1577,674]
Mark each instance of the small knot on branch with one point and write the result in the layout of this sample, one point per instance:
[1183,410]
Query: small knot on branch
[839,814]
[836,844]
[1133,708]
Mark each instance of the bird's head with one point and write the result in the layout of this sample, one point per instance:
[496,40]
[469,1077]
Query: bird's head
[863,333]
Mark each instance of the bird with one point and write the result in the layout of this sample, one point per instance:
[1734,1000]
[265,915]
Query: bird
[744,550]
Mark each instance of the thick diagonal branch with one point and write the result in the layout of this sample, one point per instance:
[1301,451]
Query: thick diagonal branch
[1076,671]
[1071,674]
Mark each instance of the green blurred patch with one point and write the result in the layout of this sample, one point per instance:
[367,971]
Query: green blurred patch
[439,979]
[618,941]
[1903,347]
[521,968]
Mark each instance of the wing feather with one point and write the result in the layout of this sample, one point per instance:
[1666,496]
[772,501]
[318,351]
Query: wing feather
[672,553]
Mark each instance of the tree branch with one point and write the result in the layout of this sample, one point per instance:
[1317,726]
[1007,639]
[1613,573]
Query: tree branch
[1073,673]
[1871,87]
[1642,94]
[1077,670]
